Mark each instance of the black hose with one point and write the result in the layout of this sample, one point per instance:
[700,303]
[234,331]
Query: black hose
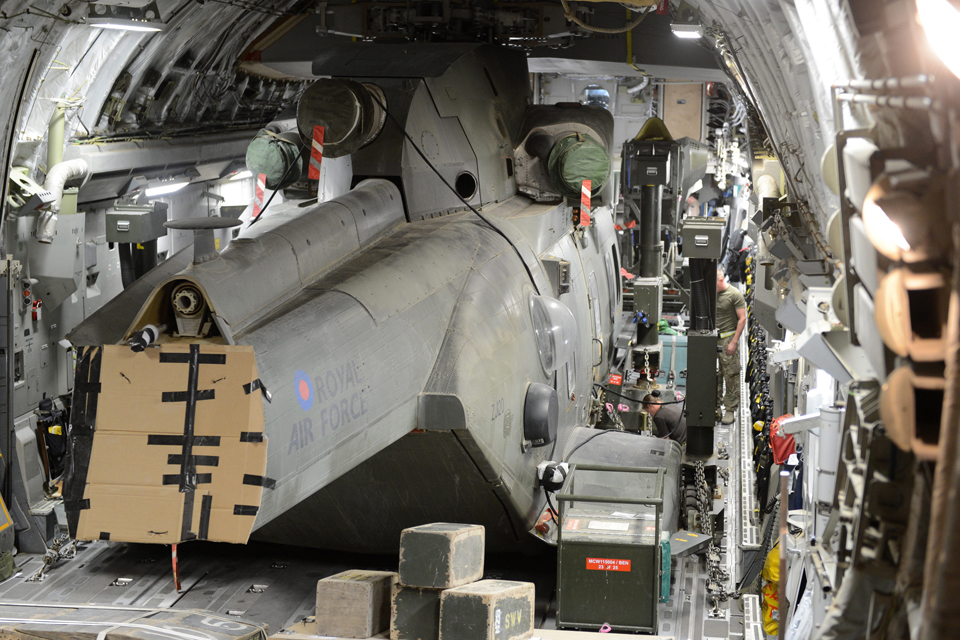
[127,273]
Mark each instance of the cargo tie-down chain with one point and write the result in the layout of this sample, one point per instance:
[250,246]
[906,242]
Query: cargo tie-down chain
[646,368]
[717,577]
[63,548]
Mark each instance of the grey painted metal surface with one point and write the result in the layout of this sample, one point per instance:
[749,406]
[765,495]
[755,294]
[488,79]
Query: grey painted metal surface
[364,320]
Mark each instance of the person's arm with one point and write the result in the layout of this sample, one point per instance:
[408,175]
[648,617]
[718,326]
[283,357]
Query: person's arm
[741,323]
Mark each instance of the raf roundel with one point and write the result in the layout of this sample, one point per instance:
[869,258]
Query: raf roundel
[303,389]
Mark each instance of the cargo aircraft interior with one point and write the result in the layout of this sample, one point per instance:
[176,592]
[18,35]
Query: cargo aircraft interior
[480,320]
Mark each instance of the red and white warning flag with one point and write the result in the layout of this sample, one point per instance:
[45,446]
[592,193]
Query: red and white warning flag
[585,204]
[316,154]
[258,198]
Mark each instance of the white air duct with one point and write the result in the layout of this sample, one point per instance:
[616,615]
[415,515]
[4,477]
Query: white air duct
[57,177]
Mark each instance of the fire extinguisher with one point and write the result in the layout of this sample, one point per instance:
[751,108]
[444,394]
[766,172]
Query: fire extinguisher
[35,311]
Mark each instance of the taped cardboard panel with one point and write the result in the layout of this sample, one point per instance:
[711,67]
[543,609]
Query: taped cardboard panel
[224,525]
[239,459]
[80,433]
[141,434]
[123,459]
[153,514]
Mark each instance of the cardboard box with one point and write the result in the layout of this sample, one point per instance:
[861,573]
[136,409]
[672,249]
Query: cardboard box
[487,610]
[354,604]
[441,555]
[128,434]
[414,613]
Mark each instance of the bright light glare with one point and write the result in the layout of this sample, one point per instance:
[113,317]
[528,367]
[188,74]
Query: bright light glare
[242,175]
[690,35]
[881,227]
[124,26]
[941,22]
[164,189]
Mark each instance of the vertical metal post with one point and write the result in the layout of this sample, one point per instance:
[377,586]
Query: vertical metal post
[783,605]
[650,245]
[8,406]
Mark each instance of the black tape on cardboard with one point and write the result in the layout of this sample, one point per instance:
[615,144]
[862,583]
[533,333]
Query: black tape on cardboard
[177,441]
[198,461]
[183,396]
[259,481]
[206,504]
[245,510]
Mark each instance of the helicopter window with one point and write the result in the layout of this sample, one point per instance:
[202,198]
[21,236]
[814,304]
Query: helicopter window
[595,95]
[595,305]
[555,329]
[612,283]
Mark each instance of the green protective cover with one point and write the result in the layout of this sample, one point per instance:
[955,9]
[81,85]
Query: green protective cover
[271,156]
[7,565]
[576,158]
[665,570]
[665,329]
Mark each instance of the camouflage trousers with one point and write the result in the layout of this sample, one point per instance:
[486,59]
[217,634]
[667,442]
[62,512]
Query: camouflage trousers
[729,376]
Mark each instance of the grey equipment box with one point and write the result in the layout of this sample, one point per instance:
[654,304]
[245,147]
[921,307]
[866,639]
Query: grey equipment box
[136,223]
[701,379]
[441,555]
[645,162]
[414,613]
[702,237]
[609,551]
[354,604]
[487,610]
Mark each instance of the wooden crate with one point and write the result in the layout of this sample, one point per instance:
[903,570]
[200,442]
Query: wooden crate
[354,604]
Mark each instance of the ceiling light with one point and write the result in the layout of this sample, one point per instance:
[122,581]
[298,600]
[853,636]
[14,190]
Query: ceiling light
[243,175]
[941,22]
[688,31]
[165,189]
[687,23]
[126,18]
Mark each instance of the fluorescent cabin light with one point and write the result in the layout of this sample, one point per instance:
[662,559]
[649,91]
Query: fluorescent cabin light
[687,23]
[941,22]
[125,18]
[687,31]
[165,189]
[123,25]
[242,175]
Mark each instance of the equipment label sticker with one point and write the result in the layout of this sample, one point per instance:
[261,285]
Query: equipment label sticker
[615,379]
[572,525]
[607,564]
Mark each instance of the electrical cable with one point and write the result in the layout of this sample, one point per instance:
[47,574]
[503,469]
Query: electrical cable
[454,191]
[596,435]
[600,386]
[571,16]
[554,513]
